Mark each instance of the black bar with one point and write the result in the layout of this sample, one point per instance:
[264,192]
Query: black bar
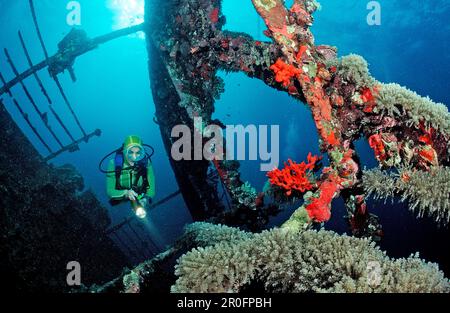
[74,145]
[41,85]
[36,25]
[25,116]
[43,116]
[30,63]
[23,76]
[55,78]
[118,33]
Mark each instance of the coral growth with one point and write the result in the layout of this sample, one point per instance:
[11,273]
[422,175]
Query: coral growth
[428,193]
[319,208]
[355,69]
[308,261]
[294,176]
[398,101]
[284,72]
[346,102]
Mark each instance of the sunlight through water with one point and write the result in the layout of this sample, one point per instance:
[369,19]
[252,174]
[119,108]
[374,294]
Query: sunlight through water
[127,13]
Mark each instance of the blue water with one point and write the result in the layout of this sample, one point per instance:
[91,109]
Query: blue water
[112,93]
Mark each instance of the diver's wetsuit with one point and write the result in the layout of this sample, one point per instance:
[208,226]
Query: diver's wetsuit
[126,183]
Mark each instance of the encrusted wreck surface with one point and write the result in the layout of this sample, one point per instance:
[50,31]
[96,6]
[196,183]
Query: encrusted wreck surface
[403,129]
[186,49]
[46,220]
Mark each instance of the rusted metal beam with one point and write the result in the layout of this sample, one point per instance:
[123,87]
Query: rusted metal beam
[30,64]
[27,119]
[42,116]
[36,25]
[93,44]
[69,106]
[74,145]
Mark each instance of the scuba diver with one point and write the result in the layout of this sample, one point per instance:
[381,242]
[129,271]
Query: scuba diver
[130,175]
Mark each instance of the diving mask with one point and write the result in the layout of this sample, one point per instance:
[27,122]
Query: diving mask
[135,153]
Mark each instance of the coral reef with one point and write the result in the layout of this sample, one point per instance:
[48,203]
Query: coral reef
[160,268]
[308,261]
[346,103]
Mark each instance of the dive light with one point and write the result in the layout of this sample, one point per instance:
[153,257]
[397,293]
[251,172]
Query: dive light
[138,209]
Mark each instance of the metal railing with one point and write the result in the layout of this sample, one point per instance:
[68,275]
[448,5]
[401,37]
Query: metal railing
[56,64]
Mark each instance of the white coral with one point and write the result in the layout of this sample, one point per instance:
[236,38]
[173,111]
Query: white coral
[396,100]
[427,193]
[303,262]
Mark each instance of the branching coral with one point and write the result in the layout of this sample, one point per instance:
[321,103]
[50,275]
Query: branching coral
[395,100]
[205,234]
[355,69]
[303,262]
[428,193]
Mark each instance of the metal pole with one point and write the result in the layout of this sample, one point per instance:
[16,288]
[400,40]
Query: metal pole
[49,60]
[43,116]
[25,116]
[36,25]
[30,63]
[33,12]
[73,146]
[24,75]
[61,123]
[55,78]
[4,84]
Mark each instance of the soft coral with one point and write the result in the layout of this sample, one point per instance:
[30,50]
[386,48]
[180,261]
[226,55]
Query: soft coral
[294,176]
[284,72]
[319,208]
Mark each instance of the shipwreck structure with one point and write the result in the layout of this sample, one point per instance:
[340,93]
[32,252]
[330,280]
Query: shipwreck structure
[407,132]
[187,47]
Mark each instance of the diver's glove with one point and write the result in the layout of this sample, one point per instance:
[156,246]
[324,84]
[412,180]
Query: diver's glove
[131,195]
